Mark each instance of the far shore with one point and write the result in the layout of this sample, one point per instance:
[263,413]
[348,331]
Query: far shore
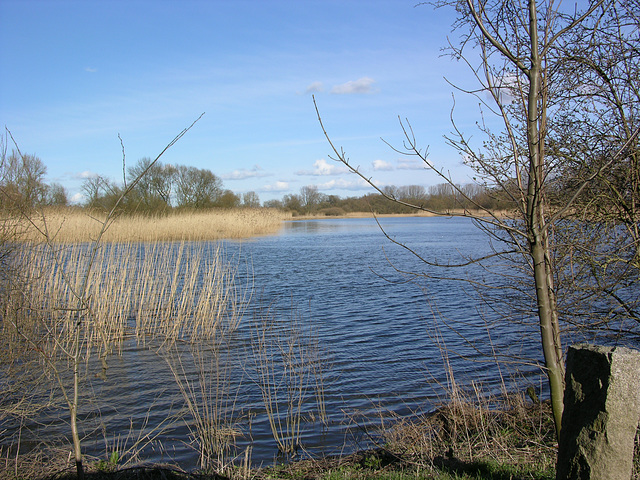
[450,213]
[79,226]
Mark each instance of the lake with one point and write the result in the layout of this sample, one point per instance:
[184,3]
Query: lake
[381,336]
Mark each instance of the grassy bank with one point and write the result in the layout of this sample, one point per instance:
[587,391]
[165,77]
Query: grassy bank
[70,225]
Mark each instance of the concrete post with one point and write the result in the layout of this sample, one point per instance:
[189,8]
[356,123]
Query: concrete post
[601,413]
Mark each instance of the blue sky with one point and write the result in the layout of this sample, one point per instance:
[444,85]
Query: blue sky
[75,74]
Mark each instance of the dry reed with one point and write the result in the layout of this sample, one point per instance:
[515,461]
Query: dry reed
[471,426]
[165,290]
[287,365]
[76,226]
[160,292]
[203,374]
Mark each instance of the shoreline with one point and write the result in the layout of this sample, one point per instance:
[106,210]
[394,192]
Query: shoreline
[452,213]
[79,226]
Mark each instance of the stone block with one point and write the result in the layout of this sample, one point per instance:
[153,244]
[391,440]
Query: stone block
[601,413]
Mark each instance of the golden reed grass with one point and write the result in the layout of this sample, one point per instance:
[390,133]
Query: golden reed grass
[76,225]
[161,290]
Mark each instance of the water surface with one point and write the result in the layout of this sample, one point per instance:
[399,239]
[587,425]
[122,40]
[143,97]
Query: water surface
[380,331]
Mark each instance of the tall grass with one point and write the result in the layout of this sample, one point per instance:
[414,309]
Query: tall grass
[288,366]
[152,293]
[182,299]
[170,291]
[76,225]
[473,431]
[203,373]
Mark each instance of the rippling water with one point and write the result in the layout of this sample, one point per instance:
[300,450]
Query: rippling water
[375,325]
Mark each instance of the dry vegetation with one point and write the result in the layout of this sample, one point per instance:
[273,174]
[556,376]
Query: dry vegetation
[497,438]
[172,290]
[70,225]
[181,299]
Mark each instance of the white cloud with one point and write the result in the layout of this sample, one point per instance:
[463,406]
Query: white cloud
[243,173]
[276,187]
[86,174]
[362,85]
[322,167]
[91,69]
[381,165]
[342,184]
[410,164]
[315,87]
[77,198]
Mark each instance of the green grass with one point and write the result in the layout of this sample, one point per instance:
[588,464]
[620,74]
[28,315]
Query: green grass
[381,465]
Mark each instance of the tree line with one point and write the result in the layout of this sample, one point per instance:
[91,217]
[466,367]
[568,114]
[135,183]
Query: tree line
[393,200]
[158,188]
[161,188]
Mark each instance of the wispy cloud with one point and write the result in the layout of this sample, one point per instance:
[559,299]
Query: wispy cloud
[322,167]
[276,187]
[343,184]
[315,87]
[381,165]
[243,173]
[90,69]
[410,165]
[84,175]
[362,85]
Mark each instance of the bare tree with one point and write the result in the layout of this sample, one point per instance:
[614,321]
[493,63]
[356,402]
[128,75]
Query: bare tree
[416,194]
[227,199]
[516,53]
[292,202]
[101,193]
[310,198]
[600,75]
[56,195]
[197,188]
[250,200]
[23,180]
[154,190]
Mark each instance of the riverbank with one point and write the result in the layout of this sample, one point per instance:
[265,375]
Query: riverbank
[496,438]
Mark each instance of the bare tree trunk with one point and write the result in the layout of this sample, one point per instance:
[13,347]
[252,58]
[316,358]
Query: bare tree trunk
[73,408]
[537,229]
[548,328]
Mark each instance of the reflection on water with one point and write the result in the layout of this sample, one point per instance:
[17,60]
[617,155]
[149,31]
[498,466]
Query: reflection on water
[375,325]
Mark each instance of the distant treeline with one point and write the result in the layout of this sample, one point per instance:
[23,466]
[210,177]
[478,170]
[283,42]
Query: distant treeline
[165,188]
[442,197]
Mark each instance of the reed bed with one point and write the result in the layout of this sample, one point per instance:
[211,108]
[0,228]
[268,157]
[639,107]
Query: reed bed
[160,290]
[76,225]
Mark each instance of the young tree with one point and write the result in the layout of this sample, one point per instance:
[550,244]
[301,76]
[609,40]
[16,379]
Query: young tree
[516,51]
[66,336]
